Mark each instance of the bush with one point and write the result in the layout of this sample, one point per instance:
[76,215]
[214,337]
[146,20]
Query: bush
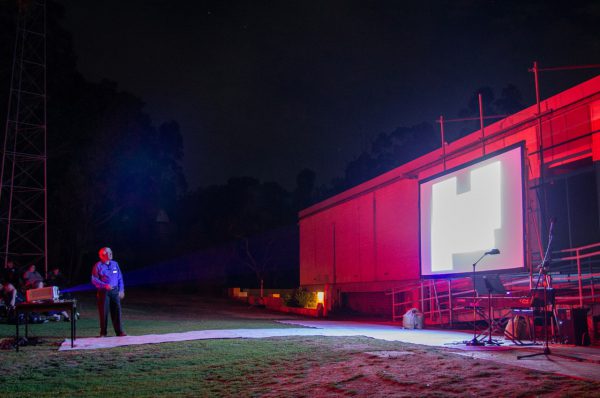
[300,298]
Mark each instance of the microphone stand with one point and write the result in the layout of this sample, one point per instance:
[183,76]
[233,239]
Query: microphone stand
[543,269]
[474,342]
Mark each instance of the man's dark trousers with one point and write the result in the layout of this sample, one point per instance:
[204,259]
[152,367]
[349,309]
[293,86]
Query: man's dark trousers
[108,300]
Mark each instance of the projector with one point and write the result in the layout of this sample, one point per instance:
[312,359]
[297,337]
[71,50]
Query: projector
[44,293]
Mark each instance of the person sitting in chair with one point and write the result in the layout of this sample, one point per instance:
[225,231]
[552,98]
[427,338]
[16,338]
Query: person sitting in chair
[9,297]
[55,278]
[10,273]
[8,294]
[32,279]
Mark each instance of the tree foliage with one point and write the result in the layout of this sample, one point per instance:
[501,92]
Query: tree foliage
[110,169]
[388,150]
[403,144]
[509,102]
[114,172]
[254,220]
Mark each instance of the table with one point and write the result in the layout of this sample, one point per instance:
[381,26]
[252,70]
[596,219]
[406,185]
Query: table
[45,306]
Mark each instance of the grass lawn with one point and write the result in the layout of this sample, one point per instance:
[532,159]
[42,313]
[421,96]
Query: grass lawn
[285,366]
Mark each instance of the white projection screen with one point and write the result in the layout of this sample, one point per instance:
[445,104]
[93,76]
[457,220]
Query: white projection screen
[469,210]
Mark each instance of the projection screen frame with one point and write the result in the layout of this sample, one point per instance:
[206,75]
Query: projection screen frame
[523,268]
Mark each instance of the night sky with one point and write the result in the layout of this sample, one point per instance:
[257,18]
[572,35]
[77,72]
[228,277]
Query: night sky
[266,89]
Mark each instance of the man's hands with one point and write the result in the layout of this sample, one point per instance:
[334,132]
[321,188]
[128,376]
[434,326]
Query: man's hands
[121,294]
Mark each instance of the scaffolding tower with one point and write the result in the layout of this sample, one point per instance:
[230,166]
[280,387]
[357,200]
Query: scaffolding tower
[23,194]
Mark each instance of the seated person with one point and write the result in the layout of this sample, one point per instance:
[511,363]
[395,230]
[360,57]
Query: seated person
[32,279]
[9,297]
[55,278]
[10,273]
[8,294]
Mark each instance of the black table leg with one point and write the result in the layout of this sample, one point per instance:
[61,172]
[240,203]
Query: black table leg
[72,326]
[17,336]
[24,309]
[75,322]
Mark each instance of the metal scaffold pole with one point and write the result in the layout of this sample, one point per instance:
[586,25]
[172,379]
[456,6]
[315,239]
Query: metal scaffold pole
[23,173]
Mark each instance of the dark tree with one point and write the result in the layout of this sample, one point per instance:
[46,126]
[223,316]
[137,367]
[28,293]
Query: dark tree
[488,99]
[388,151]
[117,173]
[110,170]
[510,101]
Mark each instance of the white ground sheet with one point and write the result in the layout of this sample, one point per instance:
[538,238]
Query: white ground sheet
[311,328]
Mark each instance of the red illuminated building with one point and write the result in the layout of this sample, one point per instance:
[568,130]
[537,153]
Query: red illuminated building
[362,245]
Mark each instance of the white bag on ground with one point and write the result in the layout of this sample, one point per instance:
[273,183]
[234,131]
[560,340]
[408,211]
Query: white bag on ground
[413,319]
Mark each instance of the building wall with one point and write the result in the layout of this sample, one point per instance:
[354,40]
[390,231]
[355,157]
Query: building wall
[367,237]
[372,303]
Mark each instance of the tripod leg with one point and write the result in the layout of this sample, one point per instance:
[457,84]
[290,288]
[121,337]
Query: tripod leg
[474,341]
[546,352]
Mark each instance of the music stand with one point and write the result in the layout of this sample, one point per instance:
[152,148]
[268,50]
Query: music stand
[486,285]
[474,341]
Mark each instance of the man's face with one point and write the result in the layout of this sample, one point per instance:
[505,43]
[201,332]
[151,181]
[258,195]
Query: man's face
[106,255]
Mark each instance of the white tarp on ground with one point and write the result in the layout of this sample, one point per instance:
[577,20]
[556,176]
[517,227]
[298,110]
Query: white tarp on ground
[310,328]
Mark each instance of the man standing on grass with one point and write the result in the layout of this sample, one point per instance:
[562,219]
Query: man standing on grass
[107,277]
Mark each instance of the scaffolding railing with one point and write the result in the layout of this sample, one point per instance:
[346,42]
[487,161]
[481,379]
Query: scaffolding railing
[574,274]
[572,260]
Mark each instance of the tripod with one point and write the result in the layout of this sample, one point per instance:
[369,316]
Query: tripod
[474,342]
[543,270]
